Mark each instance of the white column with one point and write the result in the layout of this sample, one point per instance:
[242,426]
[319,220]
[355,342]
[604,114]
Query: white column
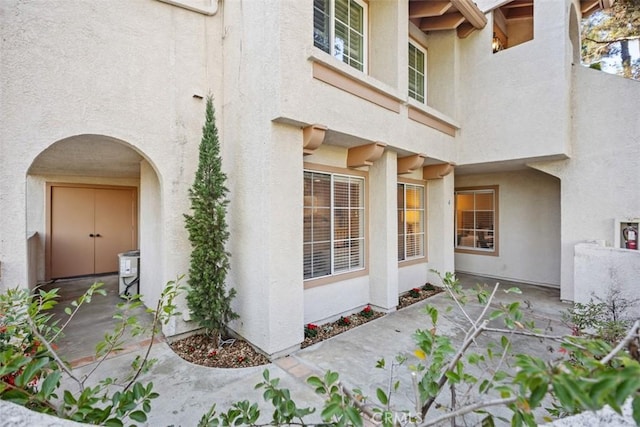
[440,218]
[383,244]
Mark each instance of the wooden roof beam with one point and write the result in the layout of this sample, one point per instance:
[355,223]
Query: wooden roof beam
[525,12]
[450,21]
[471,13]
[425,9]
[464,30]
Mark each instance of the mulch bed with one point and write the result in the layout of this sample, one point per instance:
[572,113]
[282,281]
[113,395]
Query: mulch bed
[199,349]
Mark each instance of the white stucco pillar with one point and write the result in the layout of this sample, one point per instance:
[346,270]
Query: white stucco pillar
[13,238]
[150,239]
[383,225]
[440,222]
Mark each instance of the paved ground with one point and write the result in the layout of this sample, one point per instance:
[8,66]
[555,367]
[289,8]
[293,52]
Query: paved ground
[187,391]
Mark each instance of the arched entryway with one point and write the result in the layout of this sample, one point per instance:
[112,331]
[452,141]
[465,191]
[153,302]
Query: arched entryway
[86,195]
[88,198]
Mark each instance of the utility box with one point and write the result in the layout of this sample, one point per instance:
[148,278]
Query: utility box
[626,233]
[129,274]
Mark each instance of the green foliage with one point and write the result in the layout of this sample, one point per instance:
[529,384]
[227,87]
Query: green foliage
[367,312]
[604,318]
[593,373]
[208,298]
[310,330]
[339,408]
[414,293]
[606,34]
[31,369]
[245,413]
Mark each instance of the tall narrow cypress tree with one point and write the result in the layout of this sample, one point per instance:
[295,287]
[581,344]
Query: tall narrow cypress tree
[208,298]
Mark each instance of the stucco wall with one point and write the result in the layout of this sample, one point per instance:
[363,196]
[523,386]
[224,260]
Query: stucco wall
[528,228]
[515,104]
[601,272]
[127,70]
[599,181]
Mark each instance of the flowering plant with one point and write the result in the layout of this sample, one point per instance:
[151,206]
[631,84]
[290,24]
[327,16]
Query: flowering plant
[344,321]
[367,311]
[414,293]
[310,330]
[428,287]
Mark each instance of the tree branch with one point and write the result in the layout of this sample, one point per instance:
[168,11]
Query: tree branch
[470,408]
[443,378]
[608,42]
[633,333]
[55,356]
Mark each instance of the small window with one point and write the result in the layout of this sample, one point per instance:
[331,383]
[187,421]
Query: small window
[417,69]
[339,28]
[334,224]
[410,221]
[476,219]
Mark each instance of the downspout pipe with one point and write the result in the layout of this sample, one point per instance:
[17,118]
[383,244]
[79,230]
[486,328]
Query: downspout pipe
[185,4]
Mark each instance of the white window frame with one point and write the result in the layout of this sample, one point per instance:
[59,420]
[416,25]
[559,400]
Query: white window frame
[490,232]
[365,31]
[332,215]
[402,218]
[410,93]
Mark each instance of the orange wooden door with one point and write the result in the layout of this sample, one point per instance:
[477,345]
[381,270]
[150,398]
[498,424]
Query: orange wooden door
[71,227]
[89,227]
[114,227]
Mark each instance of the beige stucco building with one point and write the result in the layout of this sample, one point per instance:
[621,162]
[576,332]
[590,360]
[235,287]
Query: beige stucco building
[366,143]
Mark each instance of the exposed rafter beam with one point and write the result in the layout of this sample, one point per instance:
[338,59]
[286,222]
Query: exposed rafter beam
[424,9]
[465,29]
[525,12]
[589,5]
[449,21]
[471,12]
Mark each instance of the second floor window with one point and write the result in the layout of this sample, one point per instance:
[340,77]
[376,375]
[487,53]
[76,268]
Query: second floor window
[339,28]
[417,69]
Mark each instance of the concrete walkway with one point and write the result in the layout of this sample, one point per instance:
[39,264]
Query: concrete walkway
[187,391]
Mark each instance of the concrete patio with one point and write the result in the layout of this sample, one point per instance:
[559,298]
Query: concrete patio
[187,391]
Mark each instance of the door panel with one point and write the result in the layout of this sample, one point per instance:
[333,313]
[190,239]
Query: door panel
[114,227]
[89,227]
[71,226]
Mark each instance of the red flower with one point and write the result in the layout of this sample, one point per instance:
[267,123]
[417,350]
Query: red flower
[367,309]
[311,326]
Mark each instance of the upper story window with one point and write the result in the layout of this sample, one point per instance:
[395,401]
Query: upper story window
[340,29]
[417,70]
[334,224]
[410,221]
[477,219]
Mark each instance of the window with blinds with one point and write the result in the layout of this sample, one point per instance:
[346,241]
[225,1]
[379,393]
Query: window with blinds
[417,72]
[476,219]
[411,224]
[334,224]
[339,28]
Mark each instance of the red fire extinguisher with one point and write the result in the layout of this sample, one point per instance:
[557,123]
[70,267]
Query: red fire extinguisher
[630,234]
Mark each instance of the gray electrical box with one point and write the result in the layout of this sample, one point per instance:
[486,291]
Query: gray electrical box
[129,273]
